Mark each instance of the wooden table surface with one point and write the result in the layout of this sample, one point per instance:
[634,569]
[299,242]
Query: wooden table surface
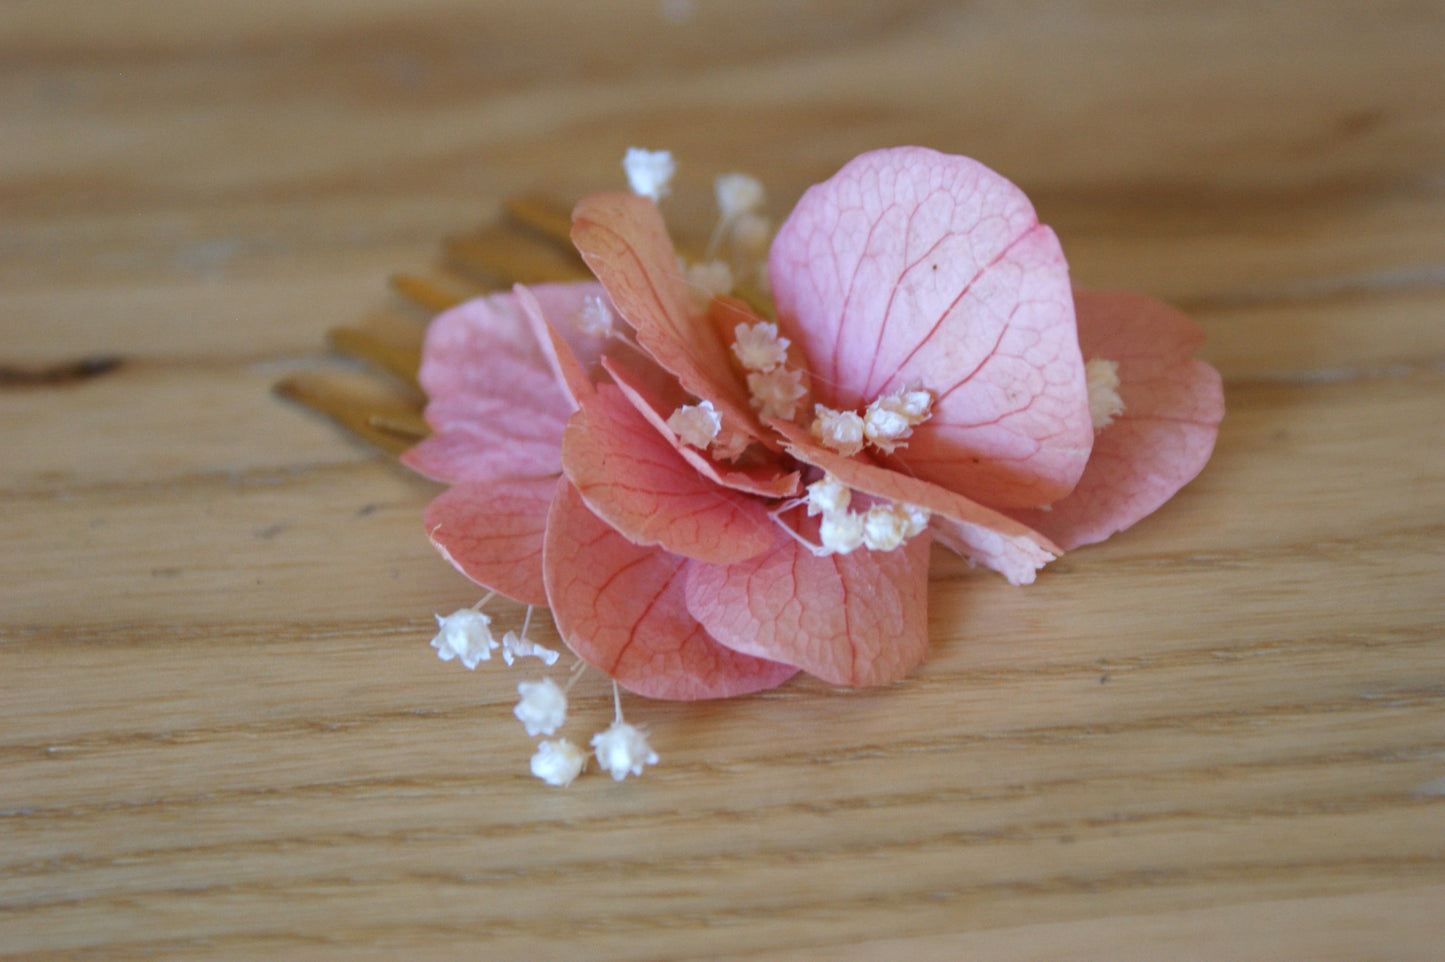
[223,734]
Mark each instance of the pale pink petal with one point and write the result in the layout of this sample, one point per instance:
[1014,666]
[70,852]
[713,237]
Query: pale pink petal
[913,268]
[855,619]
[625,243]
[982,535]
[495,405]
[621,608]
[552,310]
[638,483]
[483,354]
[488,449]
[654,402]
[1172,408]
[491,531]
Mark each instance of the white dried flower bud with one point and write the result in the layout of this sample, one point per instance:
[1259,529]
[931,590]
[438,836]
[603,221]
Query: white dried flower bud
[916,404]
[841,532]
[558,763]
[464,634]
[885,428]
[515,646]
[885,527]
[828,496]
[776,393]
[738,194]
[841,431]
[758,346]
[917,518]
[730,445]
[649,172]
[892,417]
[696,424]
[709,278]
[543,707]
[1105,404]
[594,317]
[622,749]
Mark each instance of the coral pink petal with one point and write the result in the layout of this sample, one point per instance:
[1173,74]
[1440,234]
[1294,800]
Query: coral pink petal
[1172,408]
[913,268]
[638,483]
[625,243]
[981,534]
[621,608]
[765,478]
[492,533]
[856,619]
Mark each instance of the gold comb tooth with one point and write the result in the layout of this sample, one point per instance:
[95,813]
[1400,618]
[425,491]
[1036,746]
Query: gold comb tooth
[389,343]
[531,245]
[403,426]
[498,257]
[427,292]
[362,410]
[544,214]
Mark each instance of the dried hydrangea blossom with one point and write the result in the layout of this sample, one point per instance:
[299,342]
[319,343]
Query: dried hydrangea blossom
[914,290]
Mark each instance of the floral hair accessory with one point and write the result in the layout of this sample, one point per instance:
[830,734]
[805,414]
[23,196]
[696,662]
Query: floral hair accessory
[712,494]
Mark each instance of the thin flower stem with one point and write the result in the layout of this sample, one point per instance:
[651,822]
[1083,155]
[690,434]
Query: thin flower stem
[616,702]
[483,603]
[818,550]
[714,243]
[578,669]
[527,621]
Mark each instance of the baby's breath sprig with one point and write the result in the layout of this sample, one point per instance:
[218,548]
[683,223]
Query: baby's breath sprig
[621,749]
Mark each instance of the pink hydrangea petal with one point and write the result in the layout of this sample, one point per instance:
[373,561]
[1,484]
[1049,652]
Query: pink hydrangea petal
[638,483]
[490,448]
[624,241]
[914,268]
[482,354]
[496,405]
[856,619]
[563,306]
[1172,408]
[621,608]
[492,531]
[552,309]
[982,535]
[764,478]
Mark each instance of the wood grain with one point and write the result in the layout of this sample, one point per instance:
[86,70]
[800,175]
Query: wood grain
[1220,735]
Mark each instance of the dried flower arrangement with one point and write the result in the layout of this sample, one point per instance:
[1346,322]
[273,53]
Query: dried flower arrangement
[719,473]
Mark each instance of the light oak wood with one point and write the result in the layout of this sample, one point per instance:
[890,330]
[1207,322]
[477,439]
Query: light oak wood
[1220,735]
